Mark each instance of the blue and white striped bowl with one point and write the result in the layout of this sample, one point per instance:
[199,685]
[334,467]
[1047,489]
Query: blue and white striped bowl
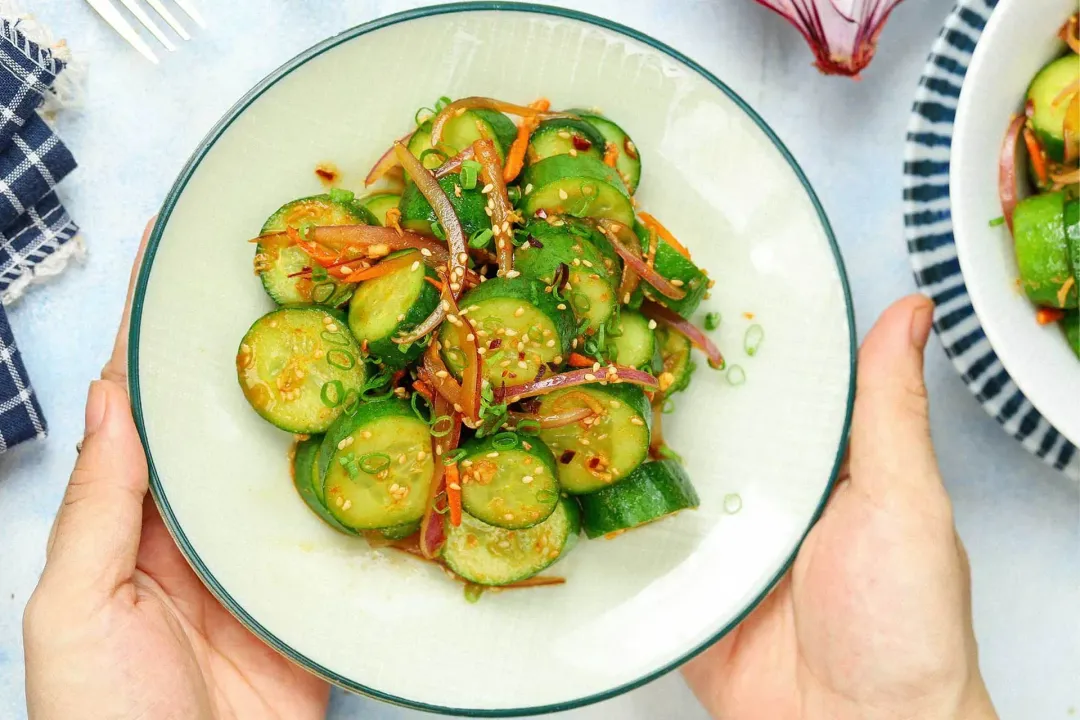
[928,228]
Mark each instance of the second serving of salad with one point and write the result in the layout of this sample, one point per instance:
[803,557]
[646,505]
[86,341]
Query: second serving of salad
[1045,226]
[476,357]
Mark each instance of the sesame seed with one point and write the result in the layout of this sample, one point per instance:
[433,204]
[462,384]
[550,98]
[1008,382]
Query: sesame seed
[421,455]
[343,443]
[470,337]
[493,454]
[596,366]
[522,364]
[584,441]
[519,312]
[487,188]
[652,324]
[573,152]
[562,194]
[636,421]
[331,328]
[577,261]
[415,266]
[626,299]
[327,320]
[345,269]
[564,134]
[527,479]
[528,188]
[338,501]
[550,343]
[539,470]
[513,274]
[587,190]
[457,408]
[511,332]
[400,317]
[481,350]
[463,258]
[590,377]
[402,459]
[561,306]
[677,283]
[425,252]
[365,434]
[346,505]
[457,190]
[557,359]
[586,263]
[455,486]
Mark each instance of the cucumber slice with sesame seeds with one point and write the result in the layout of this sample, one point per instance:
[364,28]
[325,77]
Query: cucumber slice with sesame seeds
[508,480]
[673,364]
[376,465]
[628,162]
[1049,111]
[461,132]
[520,328]
[391,305]
[591,277]
[489,555]
[275,264]
[680,270]
[565,136]
[577,186]
[655,490]
[599,451]
[635,343]
[296,364]
[469,206]
[305,479]
[378,203]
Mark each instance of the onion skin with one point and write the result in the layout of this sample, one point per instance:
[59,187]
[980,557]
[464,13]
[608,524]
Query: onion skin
[585,376]
[697,337]
[1007,191]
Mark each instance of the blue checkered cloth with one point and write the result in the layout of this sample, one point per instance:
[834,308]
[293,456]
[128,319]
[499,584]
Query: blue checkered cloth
[33,223]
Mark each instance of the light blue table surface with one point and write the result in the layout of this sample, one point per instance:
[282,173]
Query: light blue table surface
[1018,518]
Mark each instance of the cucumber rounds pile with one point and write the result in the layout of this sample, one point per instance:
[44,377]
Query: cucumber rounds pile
[474,357]
[1046,225]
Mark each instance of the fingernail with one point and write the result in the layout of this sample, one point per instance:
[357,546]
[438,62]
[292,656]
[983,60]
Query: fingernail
[95,407]
[921,321]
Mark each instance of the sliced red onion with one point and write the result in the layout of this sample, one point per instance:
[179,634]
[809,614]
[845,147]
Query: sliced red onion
[502,212]
[633,260]
[435,374]
[697,337]
[453,165]
[555,420]
[432,532]
[1007,190]
[386,162]
[584,376]
[842,33]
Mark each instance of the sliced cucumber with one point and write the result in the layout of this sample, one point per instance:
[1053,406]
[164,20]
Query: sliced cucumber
[508,480]
[1071,326]
[635,343]
[653,491]
[376,466]
[402,531]
[565,136]
[1048,118]
[581,187]
[591,294]
[418,215]
[391,305]
[295,366]
[461,132]
[378,203]
[628,163]
[305,479]
[519,325]
[674,366]
[680,270]
[1072,237]
[1042,250]
[601,451]
[489,555]
[275,264]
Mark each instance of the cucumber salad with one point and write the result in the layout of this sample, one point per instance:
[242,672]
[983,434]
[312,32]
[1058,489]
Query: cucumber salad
[1045,226]
[476,356]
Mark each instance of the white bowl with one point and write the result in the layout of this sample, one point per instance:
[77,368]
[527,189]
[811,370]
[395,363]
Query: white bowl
[1019,39]
[634,607]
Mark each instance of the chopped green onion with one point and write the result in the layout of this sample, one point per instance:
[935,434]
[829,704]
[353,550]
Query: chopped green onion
[712,320]
[304,227]
[736,375]
[339,393]
[441,103]
[439,155]
[732,503]
[455,357]
[473,593]
[528,426]
[334,338]
[669,454]
[350,403]
[668,407]
[468,178]
[449,425]
[341,359]
[582,326]
[424,417]
[505,441]
[513,193]
[480,239]
[417,119]
[752,339]
[546,496]
[374,463]
[587,199]
[581,302]
[998,221]
[341,195]
[437,231]
[350,468]
[318,272]
[346,459]
[323,291]
[454,456]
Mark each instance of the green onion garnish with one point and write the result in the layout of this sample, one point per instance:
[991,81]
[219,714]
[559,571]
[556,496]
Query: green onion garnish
[712,320]
[437,231]
[420,121]
[473,593]
[341,359]
[350,403]
[374,463]
[581,302]
[318,272]
[468,177]
[505,441]
[338,393]
[323,291]
[732,503]
[669,454]
[439,156]
[752,339]
[513,193]
[441,103]
[341,195]
[546,496]
[334,338]
[480,239]
[455,357]
[668,407]
[424,416]
[435,424]
[528,426]
[998,221]
[736,375]
[454,456]
[350,468]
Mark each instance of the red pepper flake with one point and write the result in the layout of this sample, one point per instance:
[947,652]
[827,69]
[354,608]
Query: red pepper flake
[594,462]
[541,213]
[581,143]
[327,172]
[495,344]
[567,456]
[535,243]
[540,372]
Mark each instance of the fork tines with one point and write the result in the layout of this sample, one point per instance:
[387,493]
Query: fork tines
[112,15]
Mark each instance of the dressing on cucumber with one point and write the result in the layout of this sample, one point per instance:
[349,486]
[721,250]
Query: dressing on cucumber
[508,480]
[577,186]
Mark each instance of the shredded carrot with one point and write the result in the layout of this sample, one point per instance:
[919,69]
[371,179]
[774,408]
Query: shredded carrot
[515,159]
[1038,158]
[438,285]
[611,154]
[650,256]
[1046,316]
[384,268]
[653,224]
[393,219]
[421,387]
[579,361]
[453,494]
[1063,291]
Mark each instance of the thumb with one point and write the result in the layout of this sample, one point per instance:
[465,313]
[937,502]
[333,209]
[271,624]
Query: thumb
[891,450]
[96,534]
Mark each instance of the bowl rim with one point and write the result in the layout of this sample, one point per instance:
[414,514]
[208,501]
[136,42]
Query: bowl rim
[142,282]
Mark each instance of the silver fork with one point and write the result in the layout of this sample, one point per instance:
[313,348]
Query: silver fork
[112,15]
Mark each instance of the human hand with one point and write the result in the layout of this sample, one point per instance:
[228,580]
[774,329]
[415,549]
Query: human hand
[119,625]
[874,620]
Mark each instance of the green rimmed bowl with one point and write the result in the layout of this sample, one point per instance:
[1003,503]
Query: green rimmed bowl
[634,607]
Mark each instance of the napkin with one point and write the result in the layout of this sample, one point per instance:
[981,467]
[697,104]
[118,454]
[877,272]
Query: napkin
[35,230]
